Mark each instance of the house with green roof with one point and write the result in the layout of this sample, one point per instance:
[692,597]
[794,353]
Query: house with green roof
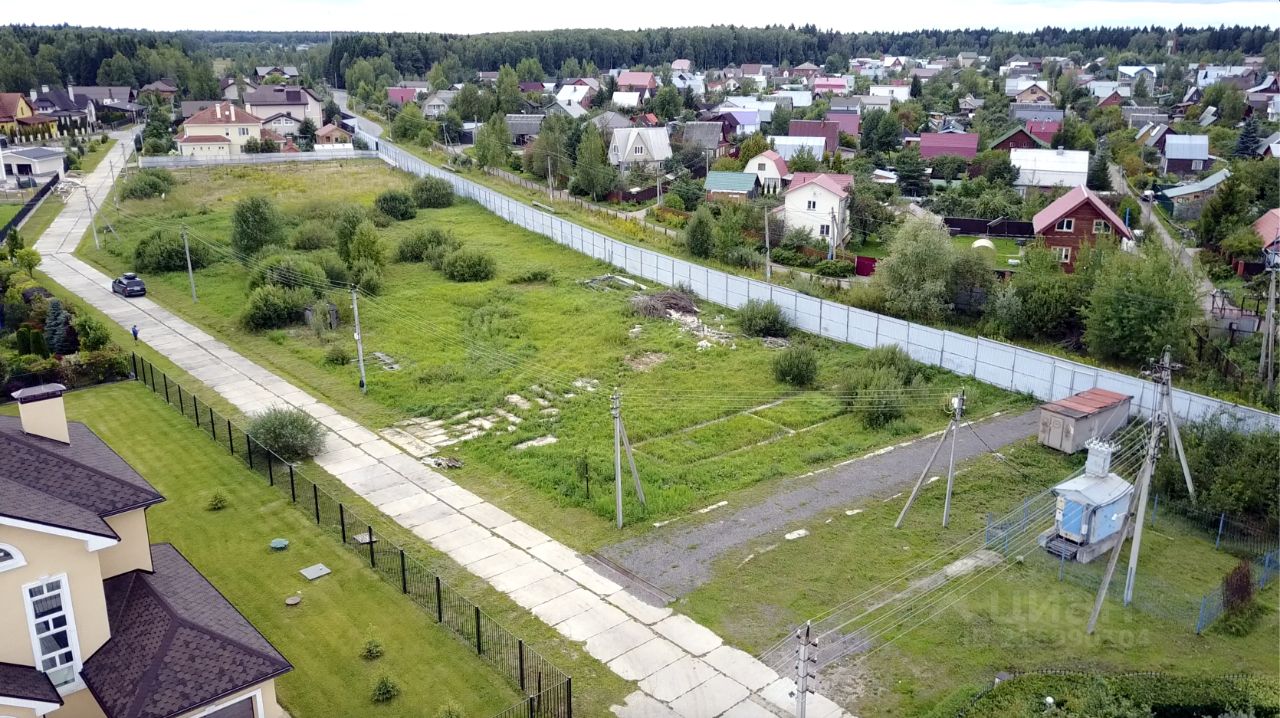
[731,186]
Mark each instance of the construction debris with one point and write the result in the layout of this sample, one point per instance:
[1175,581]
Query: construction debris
[444,462]
[540,441]
[660,305]
[609,282]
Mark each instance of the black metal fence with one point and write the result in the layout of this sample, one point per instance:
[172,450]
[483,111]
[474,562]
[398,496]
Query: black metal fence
[27,208]
[548,691]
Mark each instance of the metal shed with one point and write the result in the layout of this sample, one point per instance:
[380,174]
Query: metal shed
[1089,509]
[1067,424]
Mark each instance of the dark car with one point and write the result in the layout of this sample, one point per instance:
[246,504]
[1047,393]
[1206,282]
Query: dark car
[129,285]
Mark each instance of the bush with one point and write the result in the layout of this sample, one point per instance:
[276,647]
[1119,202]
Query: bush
[533,275]
[162,251]
[673,201]
[797,366]
[93,334]
[290,272]
[365,246]
[95,367]
[469,265]
[372,649]
[367,276]
[273,307]
[358,143]
[763,319]
[335,270]
[290,434]
[450,711]
[147,184]
[255,223]
[897,360]
[217,502]
[743,257]
[836,268]
[432,193]
[313,234]
[396,204]
[437,253]
[872,394]
[385,690]
[337,355]
[699,237]
[418,246]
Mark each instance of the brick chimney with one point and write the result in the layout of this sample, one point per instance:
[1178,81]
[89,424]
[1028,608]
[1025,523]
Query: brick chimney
[217,110]
[42,412]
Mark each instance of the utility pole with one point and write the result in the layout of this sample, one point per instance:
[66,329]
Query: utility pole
[1267,358]
[806,665]
[191,277]
[92,221]
[768,250]
[831,240]
[355,311]
[550,181]
[953,427]
[620,443]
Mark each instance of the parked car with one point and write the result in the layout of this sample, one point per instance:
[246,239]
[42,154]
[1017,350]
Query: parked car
[129,285]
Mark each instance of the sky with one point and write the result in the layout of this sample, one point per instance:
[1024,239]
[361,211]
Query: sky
[507,15]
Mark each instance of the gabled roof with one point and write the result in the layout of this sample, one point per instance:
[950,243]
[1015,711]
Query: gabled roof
[828,130]
[654,139]
[9,103]
[938,144]
[1043,130]
[833,183]
[401,95]
[790,146]
[768,156]
[286,70]
[26,683]
[106,94]
[849,123]
[223,113]
[518,125]
[610,120]
[1068,203]
[626,99]
[176,643]
[72,487]
[161,85]
[702,135]
[1186,147]
[206,139]
[732,182]
[1019,130]
[1203,185]
[1268,229]
[331,129]
[632,78]
[281,116]
[187,108]
[1024,112]
[279,95]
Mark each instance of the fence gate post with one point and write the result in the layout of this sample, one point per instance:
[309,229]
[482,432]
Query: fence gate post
[479,641]
[404,579]
[373,562]
[342,521]
[439,602]
[1222,520]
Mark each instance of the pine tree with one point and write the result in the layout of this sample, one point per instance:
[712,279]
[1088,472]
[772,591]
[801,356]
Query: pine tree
[58,335]
[911,177]
[1099,178]
[1248,141]
[917,88]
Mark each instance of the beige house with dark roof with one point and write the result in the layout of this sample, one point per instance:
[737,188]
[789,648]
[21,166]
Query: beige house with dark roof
[96,622]
[220,130]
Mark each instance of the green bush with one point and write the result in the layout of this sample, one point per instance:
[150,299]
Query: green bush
[290,434]
[469,265]
[396,204]
[147,183]
[255,223]
[365,246]
[419,245]
[290,272]
[533,275]
[337,355]
[385,690]
[273,307]
[371,650]
[217,502]
[335,270]
[763,319]
[797,366]
[450,711]
[367,276]
[432,192]
[791,257]
[873,394]
[673,201]
[743,257]
[836,268]
[93,334]
[437,253]
[313,234]
[162,251]
[897,360]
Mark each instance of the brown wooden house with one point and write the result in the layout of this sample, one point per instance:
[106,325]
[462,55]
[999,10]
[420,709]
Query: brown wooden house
[1075,219]
[1019,138]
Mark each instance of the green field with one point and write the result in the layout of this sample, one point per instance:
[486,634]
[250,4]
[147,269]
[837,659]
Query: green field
[323,637]
[465,347]
[8,212]
[91,160]
[1022,619]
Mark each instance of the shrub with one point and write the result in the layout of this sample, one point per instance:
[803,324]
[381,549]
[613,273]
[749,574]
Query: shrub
[385,690]
[450,711]
[797,366]
[290,434]
[365,246]
[335,270]
[95,367]
[92,333]
[371,650]
[836,268]
[897,360]
[217,502]
[255,223]
[367,276]
[337,355]
[763,319]
[162,251]
[533,276]
[272,307]
[147,184]
[872,394]
[673,201]
[699,236]
[469,265]
[347,219]
[743,257]
[358,143]
[313,234]
[432,192]
[417,247]
[290,272]
[443,246]
[396,204]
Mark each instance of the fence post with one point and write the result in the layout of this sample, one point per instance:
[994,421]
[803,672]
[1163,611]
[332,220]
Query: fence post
[373,562]
[182,405]
[568,697]
[293,489]
[1200,618]
[213,426]
[248,449]
[231,444]
[153,378]
[195,409]
[342,521]
[1222,520]
[479,641]
[439,602]
[315,498]
[133,359]
[520,649]
[166,388]
[404,578]
[531,707]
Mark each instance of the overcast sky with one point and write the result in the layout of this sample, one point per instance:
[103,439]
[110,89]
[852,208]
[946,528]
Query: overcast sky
[503,15]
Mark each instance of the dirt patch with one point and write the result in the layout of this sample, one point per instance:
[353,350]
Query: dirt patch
[846,682]
[646,361]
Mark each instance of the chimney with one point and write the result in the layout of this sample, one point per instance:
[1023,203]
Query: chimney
[44,89]
[1098,462]
[1061,150]
[217,110]
[32,94]
[71,91]
[42,412]
[233,113]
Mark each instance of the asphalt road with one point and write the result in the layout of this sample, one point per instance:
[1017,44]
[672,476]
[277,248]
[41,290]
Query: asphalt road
[679,557]
[366,126]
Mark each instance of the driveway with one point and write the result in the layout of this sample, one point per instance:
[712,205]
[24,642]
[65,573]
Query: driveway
[366,126]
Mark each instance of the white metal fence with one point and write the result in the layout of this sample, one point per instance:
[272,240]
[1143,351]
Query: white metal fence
[171,162]
[992,362]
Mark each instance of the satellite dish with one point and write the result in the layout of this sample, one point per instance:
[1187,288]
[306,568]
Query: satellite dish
[983,244]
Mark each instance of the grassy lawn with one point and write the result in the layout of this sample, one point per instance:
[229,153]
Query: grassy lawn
[38,221]
[322,637]
[91,160]
[464,347]
[1022,619]
[8,212]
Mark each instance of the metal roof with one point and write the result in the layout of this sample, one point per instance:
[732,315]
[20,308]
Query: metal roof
[1203,185]
[1093,490]
[1186,147]
[737,182]
[1087,403]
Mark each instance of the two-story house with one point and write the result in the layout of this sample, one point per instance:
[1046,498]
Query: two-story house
[300,102]
[96,622]
[643,83]
[634,147]
[218,131]
[1185,155]
[769,168]
[70,110]
[18,116]
[819,203]
[1075,219]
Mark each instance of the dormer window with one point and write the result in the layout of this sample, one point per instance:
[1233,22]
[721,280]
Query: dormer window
[10,558]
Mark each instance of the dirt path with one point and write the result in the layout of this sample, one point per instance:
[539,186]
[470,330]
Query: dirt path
[679,557]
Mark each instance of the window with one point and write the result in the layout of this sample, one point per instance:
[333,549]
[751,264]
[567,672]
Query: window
[244,131]
[639,150]
[825,230]
[759,167]
[811,204]
[1197,165]
[52,629]
[1065,225]
[10,558]
[1101,226]
[1063,254]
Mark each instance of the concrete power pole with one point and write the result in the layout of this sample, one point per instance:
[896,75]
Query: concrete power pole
[1267,357]
[953,427]
[355,311]
[806,666]
[191,277]
[622,443]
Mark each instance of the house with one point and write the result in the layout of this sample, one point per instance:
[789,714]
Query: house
[1077,218]
[44,162]
[695,83]
[898,93]
[1155,136]
[769,168]
[399,96]
[681,66]
[828,130]
[1132,73]
[789,147]
[818,202]
[806,70]
[1044,130]
[1185,154]
[18,117]
[741,122]
[523,128]
[187,108]
[1019,138]
[1267,145]
[643,83]
[608,121]
[799,99]
[627,100]
[1137,115]
[70,111]
[288,72]
[970,104]
[731,186]
[165,88]
[487,77]
[846,123]
[332,137]
[218,131]
[1028,113]
[844,105]
[764,108]
[1035,93]
[580,95]
[528,87]
[750,69]
[1211,74]
[1049,168]
[1208,116]
[1186,201]
[833,85]
[283,124]
[438,102]
[108,95]
[571,110]
[633,147]
[966,59]
[98,622]
[948,144]
[1268,230]
[708,138]
[1014,85]
[300,102]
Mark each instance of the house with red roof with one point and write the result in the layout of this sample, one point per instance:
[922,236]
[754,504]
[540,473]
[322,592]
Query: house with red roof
[1268,230]
[953,144]
[828,130]
[401,95]
[643,82]
[1075,219]
[834,85]
[818,202]
[220,130]
[1044,130]
[769,168]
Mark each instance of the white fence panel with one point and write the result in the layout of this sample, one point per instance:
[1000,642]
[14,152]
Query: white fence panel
[1033,374]
[925,344]
[864,327]
[994,363]
[893,331]
[959,353]
[808,313]
[835,321]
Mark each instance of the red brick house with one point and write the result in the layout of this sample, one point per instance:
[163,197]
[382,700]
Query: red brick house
[1076,218]
[828,130]
[1019,138]
[1115,99]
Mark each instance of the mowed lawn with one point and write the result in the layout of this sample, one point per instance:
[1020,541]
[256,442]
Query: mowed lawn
[323,636]
[1021,619]
[465,347]
[8,212]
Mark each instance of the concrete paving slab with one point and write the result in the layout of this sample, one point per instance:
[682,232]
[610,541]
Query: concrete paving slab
[357,434]
[689,635]
[379,449]
[500,562]
[646,659]
[710,699]
[741,667]
[393,494]
[521,534]
[431,512]
[488,515]
[415,499]
[457,497]
[469,553]
[521,576]
[749,709]
[608,645]
[557,555]
[588,577]
[639,705]
[442,526]
[538,593]
[468,532]
[585,625]
[575,602]
[678,678]
[644,612]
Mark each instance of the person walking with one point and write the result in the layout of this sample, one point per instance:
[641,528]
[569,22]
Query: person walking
[135,332]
